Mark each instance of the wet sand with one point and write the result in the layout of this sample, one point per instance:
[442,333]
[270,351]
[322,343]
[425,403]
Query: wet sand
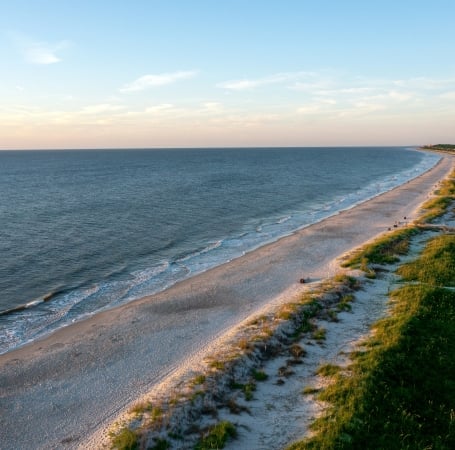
[59,391]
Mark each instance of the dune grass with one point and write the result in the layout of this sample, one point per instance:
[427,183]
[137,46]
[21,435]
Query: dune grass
[384,250]
[436,265]
[437,206]
[125,439]
[400,391]
[216,436]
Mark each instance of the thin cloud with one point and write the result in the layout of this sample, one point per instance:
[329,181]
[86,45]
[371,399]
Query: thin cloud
[240,85]
[101,108]
[448,95]
[159,109]
[309,109]
[38,52]
[148,81]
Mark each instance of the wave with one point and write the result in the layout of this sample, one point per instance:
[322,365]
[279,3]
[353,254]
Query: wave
[62,307]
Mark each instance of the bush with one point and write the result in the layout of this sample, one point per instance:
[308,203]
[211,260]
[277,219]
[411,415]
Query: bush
[125,439]
[216,436]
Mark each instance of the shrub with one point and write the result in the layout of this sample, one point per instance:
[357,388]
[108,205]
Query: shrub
[216,436]
[124,439]
[259,375]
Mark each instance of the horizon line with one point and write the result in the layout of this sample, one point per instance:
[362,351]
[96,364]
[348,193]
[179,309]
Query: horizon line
[206,147]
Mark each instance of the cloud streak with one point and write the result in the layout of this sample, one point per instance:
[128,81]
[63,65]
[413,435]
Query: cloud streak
[155,80]
[278,78]
[38,52]
[42,53]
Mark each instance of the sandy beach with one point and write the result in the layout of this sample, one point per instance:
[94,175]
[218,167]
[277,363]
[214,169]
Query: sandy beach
[63,391]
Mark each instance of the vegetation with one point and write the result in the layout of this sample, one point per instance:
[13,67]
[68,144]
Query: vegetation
[384,250]
[216,436]
[198,380]
[124,439]
[161,444]
[247,388]
[385,394]
[216,364]
[437,206]
[400,391]
[345,302]
[259,375]
[319,334]
[297,351]
[310,390]
[436,265]
[440,147]
[328,370]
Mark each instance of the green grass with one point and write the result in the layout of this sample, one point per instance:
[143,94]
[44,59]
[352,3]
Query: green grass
[328,370]
[347,280]
[319,334]
[259,375]
[435,208]
[345,303]
[218,365]
[400,392]
[436,265]
[309,390]
[124,439]
[297,351]
[247,388]
[445,196]
[216,436]
[385,250]
[198,380]
[160,444]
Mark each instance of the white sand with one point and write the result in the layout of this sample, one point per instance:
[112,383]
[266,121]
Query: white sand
[281,414]
[65,390]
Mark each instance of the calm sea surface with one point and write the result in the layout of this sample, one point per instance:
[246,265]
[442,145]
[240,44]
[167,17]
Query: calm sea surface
[85,230]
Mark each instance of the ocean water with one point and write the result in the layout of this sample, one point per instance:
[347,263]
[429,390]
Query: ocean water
[81,231]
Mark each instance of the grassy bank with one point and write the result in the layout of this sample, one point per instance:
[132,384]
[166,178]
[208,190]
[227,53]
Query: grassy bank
[399,393]
[189,417]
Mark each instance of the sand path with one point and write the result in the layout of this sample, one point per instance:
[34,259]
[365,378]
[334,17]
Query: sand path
[58,391]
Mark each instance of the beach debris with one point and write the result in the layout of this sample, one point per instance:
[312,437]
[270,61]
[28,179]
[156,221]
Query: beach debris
[302,280]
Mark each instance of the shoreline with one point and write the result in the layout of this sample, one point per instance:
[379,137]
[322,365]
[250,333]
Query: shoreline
[71,371]
[66,320]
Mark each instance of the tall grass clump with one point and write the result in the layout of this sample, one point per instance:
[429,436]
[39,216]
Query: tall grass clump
[435,208]
[445,196]
[436,265]
[216,436]
[447,186]
[125,439]
[385,250]
[400,392]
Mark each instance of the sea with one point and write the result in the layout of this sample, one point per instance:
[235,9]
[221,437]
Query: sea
[82,231]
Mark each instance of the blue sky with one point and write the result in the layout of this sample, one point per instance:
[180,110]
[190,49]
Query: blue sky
[171,73]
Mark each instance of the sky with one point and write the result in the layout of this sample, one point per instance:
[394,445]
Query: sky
[226,73]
